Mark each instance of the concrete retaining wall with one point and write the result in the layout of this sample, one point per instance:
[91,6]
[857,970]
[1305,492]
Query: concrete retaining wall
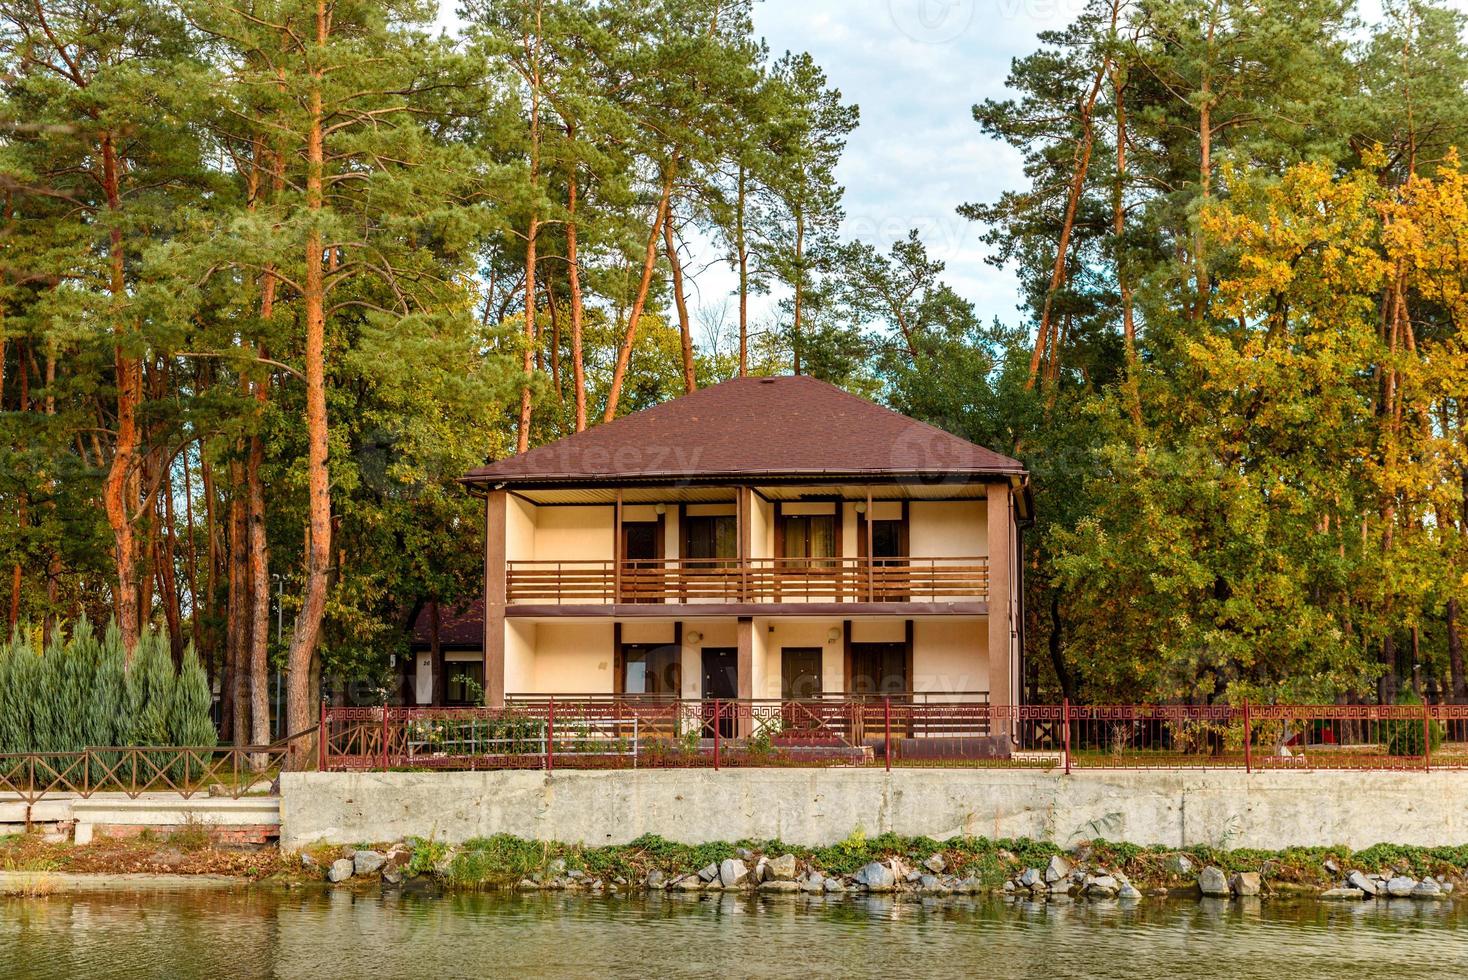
[820,806]
[249,819]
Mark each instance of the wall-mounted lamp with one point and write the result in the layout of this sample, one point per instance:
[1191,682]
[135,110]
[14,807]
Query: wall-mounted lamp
[861,506]
[833,634]
[660,509]
[694,638]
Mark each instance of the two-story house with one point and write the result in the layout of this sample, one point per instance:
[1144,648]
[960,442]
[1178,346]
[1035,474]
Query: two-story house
[762,538]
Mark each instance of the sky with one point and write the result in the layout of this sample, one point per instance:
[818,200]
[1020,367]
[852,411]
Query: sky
[916,68]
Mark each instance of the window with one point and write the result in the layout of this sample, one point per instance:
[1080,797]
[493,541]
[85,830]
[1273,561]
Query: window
[463,681]
[810,536]
[710,537]
[648,669]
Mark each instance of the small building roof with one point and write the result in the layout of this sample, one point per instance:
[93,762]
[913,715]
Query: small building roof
[748,428]
[458,626]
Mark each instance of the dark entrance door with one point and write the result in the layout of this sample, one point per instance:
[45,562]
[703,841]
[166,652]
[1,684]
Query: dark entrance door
[641,578]
[879,669]
[800,673]
[721,683]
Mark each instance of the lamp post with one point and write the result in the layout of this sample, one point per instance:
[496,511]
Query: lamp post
[279,638]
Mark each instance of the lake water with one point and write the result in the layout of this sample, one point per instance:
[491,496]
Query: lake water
[261,933]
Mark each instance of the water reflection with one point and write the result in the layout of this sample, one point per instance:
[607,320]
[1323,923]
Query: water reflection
[337,934]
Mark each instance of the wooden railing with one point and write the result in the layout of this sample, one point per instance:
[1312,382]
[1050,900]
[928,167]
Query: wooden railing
[955,579]
[187,771]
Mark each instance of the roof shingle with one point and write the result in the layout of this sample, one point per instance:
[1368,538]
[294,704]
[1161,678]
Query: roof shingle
[753,427]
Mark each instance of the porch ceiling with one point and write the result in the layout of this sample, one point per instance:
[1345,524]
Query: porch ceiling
[726,494]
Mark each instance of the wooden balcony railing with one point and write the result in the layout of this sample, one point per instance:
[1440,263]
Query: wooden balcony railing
[756,580]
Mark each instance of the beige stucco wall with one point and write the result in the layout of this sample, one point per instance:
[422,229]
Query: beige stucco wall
[937,528]
[761,527]
[574,533]
[950,656]
[571,658]
[947,528]
[801,633]
[823,806]
[519,529]
[519,655]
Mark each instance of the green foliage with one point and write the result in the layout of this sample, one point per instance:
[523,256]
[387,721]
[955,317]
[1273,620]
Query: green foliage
[75,693]
[151,678]
[106,719]
[427,854]
[188,715]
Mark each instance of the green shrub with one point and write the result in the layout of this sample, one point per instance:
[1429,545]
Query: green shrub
[152,676]
[189,723]
[77,692]
[16,659]
[106,723]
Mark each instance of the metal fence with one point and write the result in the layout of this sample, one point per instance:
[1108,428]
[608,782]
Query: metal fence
[231,771]
[651,732]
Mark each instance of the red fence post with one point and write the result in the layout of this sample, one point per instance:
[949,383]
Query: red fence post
[887,724]
[550,737]
[1065,732]
[384,737]
[1248,740]
[321,734]
[1426,737]
[716,732]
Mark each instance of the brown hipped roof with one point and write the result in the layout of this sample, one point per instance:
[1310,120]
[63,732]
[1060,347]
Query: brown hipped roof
[753,427]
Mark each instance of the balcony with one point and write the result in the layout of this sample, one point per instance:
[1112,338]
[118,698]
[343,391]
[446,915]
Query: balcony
[751,581]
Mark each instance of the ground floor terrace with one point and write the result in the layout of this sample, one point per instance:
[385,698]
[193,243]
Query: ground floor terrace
[726,657]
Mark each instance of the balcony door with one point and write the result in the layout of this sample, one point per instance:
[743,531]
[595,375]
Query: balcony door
[879,670]
[808,546]
[710,557]
[889,552]
[642,567]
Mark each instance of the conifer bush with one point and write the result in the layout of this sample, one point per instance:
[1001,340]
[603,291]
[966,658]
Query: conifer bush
[76,692]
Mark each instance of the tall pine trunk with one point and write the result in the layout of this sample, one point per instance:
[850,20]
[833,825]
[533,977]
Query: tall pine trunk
[741,246]
[1123,278]
[649,262]
[685,329]
[307,633]
[17,573]
[237,630]
[573,275]
[797,303]
[119,492]
[522,438]
[1081,165]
